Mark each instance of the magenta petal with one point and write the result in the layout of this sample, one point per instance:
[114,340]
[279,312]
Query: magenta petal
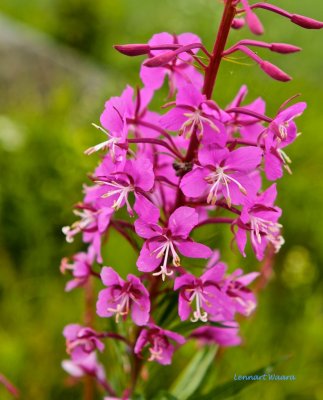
[244,158]
[72,368]
[153,78]
[184,308]
[147,261]
[293,111]
[190,95]
[241,239]
[213,136]
[167,354]
[182,221]
[142,173]
[71,330]
[147,230]
[212,155]
[139,314]
[215,274]
[146,210]
[248,278]
[103,302]
[186,279]
[193,249]
[141,341]
[112,116]
[194,184]
[104,219]
[273,166]
[109,277]
[173,119]
[160,39]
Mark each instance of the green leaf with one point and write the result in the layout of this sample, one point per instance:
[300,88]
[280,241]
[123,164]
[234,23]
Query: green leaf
[192,376]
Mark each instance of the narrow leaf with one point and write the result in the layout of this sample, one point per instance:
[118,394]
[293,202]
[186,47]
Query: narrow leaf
[190,379]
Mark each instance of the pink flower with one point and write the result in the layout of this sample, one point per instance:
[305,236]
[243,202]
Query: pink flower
[93,223]
[115,184]
[235,286]
[80,341]
[158,341]
[259,216]
[206,293]
[193,113]
[249,127]
[122,297]
[81,268]
[222,172]
[180,70]
[88,365]
[163,243]
[281,132]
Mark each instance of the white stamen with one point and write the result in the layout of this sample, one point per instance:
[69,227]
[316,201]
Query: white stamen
[269,229]
[163,250]
[123,192]
[108,144]
[217,179]
[195,121]
[198,315]
[87,217]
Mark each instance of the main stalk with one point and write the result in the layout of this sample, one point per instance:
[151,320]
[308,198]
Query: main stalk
[214,64]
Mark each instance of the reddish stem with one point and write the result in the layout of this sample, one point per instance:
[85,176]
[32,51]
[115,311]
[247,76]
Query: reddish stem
[215,220]
[89,383]
[213,67]
[159,142]
[219,45]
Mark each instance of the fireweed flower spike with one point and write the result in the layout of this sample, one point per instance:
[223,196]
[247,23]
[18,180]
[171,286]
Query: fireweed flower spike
[161,178]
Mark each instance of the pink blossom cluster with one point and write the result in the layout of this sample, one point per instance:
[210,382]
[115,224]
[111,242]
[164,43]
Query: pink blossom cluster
[196,163]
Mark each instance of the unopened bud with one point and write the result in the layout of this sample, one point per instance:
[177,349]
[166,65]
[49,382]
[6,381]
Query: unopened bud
[284,48]
[238,23]
[306,22]
[133,49]
[274,72]
[160,60]
[254,23]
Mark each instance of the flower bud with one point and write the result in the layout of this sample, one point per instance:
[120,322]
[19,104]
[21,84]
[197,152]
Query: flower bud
[133,49]
[254,23]
[160,60]
[306,22]
[284,48]
[274,72]
[238,23]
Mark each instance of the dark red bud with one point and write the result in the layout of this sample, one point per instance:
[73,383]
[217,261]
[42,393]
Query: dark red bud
[306,22]
[133,49]
[274,72]
[160,60]
[284,48]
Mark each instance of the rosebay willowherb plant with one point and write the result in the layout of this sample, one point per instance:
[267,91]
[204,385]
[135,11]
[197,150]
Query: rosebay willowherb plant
[197,164]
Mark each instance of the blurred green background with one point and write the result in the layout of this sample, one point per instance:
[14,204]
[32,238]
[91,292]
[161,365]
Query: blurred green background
[57,69]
